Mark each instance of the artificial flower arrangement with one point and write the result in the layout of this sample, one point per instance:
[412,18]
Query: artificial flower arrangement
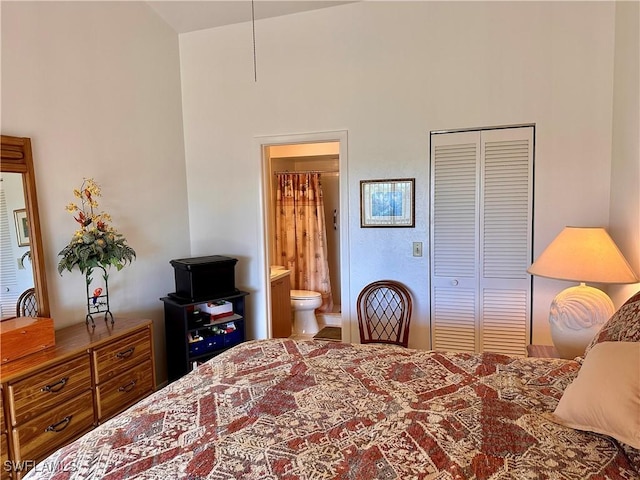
[95,243]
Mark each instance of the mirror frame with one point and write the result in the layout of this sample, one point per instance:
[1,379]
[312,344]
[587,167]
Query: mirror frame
[17,157]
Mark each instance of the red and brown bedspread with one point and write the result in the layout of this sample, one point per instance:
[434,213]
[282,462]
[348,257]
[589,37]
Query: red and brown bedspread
[281,409]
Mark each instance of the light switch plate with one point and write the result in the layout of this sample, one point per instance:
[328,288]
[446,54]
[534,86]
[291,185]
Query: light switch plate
[417,249]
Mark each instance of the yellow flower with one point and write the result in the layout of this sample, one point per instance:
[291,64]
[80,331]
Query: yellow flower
[94,232]
[92,187]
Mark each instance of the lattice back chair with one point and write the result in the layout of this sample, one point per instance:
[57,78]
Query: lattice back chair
[384,313]
[27,305]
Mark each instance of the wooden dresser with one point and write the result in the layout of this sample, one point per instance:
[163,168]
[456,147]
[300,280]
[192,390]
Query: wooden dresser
[51,397]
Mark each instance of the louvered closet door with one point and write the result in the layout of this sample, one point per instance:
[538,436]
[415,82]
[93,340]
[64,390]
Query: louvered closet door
[8,273]
[505,239]
[455,161]
[481,240]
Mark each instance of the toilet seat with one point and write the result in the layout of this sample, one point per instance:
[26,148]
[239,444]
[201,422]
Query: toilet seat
[303,305]
[302,294]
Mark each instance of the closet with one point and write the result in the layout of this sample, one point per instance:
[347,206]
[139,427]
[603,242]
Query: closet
[480,239]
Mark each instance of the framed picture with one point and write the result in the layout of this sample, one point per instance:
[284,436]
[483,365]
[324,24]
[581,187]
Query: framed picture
[387,203]
[22,227]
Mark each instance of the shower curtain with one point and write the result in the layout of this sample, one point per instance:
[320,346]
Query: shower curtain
[301,238]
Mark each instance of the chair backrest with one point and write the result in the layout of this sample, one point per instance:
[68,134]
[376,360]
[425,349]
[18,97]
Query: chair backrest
[27,305]
[384,313]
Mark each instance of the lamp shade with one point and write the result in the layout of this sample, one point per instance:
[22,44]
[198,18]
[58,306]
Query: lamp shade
[583,254]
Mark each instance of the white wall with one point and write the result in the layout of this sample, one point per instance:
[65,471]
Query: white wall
[96,85]
[625,157]
[390,72]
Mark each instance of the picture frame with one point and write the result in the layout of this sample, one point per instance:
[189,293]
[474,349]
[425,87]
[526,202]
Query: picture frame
[387,203]
[22,227]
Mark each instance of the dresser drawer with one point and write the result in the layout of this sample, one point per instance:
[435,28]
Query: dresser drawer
[120,356]
[43,390]
[124,390]
[56,427]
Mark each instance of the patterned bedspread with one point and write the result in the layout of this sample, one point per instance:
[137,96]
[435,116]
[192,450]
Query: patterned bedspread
[322,410]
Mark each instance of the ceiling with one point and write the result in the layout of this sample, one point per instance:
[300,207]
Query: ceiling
[188,16]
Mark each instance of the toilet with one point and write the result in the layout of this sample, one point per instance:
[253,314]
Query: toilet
[303,304]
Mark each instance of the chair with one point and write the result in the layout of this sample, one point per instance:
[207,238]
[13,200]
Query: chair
[27,305]
[384,313]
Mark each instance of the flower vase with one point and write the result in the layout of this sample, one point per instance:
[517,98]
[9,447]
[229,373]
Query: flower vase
[97,296]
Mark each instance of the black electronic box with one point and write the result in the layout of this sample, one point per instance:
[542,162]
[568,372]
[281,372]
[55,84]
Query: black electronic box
[203,278]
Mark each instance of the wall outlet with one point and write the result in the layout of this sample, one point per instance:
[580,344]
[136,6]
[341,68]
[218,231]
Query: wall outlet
[417,249]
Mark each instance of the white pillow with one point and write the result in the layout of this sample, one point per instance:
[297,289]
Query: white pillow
[605,396]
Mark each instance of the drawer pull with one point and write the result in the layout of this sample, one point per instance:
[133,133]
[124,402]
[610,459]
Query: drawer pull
[61,425]
[128,387]
[55,387]
[126,353]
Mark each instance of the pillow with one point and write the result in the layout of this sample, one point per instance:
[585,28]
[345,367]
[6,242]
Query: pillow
[623,326]
[605,396]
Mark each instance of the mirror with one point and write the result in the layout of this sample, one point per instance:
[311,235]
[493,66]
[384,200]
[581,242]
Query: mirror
[17,167]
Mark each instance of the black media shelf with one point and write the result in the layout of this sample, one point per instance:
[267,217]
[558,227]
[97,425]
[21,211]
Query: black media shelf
[189,344]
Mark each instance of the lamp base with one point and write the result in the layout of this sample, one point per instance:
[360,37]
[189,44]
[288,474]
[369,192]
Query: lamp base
[576,315]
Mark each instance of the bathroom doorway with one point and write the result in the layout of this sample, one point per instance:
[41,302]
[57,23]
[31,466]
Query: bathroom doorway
[326,154]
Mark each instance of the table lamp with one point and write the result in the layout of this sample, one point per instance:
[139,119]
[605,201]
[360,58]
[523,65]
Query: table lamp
[581,254]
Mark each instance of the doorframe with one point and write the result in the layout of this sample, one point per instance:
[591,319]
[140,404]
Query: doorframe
[263,141]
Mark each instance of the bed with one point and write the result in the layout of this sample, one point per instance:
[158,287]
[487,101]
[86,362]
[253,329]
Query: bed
[285,409]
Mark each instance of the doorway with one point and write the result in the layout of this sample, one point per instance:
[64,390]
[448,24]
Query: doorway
[324,153]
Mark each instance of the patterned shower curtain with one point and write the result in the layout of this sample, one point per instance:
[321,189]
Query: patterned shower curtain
[301,238]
